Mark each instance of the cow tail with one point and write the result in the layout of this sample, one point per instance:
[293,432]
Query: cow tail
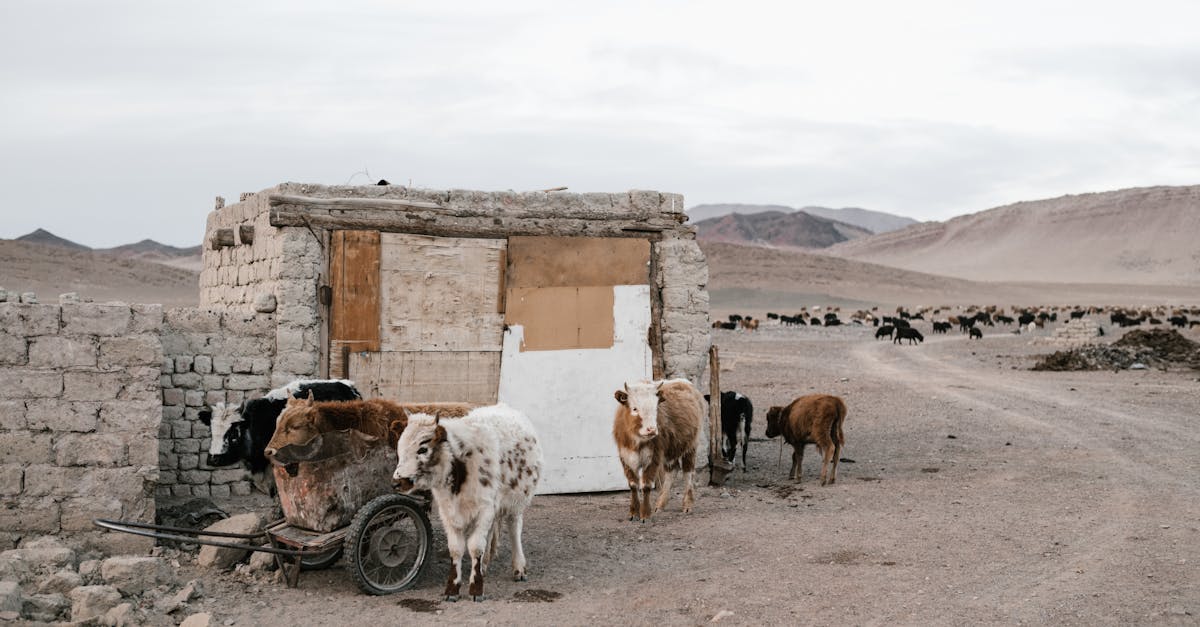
[835,428]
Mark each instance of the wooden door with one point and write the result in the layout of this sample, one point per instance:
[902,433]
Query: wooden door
[354,261]
[439,321]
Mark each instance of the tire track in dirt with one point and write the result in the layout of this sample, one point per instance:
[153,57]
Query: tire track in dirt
[1017,403]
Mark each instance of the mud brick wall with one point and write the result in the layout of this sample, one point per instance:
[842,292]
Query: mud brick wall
[80,411]
[209,356]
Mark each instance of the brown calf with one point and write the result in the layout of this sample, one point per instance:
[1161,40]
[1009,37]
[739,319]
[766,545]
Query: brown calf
[657,430]
[812,419]
[304,419]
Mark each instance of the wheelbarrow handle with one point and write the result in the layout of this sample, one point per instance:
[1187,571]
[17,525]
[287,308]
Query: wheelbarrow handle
[193,536]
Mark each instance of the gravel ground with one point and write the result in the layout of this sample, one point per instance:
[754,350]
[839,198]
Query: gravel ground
[980,491]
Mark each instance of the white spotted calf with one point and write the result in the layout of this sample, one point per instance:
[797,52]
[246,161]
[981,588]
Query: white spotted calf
[482,470]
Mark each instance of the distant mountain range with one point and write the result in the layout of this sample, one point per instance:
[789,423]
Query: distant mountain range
[145,250]
[795,229]
[1144,235]
[873,221]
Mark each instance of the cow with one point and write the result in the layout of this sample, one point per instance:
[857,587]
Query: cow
[304,419]
[483,470]
[737,412]
[884,331]
[976,334]
[912,335]
[657,430]
[811,419]
[241,432]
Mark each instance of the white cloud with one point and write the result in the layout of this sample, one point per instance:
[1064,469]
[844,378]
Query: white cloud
[133,115]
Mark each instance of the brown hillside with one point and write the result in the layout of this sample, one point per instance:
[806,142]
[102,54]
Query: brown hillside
[51,270]
[758,278]
[1142,235]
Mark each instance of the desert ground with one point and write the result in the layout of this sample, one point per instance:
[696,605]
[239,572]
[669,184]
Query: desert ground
[979,492]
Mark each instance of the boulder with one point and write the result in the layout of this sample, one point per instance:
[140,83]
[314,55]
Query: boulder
[225,558]
[46,608]
[89,570]
[13,568]
[119,616]
[262,562]
[42,559]
[134,575]
[93,601]
[60,582]
[10,596]
[197,620]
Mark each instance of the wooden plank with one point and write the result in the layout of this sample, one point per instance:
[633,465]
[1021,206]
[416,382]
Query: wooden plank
[428,377]
[441,293]
[577,261]
[354,277]
[431,222]
[561,318]
[328,206]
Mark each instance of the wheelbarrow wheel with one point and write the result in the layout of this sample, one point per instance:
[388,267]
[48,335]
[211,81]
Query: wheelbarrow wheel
[320,561]
[388,543]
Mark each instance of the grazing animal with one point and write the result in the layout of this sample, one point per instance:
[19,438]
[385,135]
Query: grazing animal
[749,324]
[1025,318]
[976,334]
[241,432]
[483,470]
[304,419]
[657,430]
[812,419]
[912,335]
[884,331]
[772,316]
[941,327]
[737,412]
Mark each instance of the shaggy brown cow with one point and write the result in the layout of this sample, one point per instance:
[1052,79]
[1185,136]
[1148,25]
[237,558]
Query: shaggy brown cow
[812,419]
[304,419]
[657,430]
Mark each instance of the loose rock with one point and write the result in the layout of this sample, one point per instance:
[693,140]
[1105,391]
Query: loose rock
[134,575]
[222,557]
[60,582]
[197,620]
[93,601]
[45,607]
[10,596]
[118,616]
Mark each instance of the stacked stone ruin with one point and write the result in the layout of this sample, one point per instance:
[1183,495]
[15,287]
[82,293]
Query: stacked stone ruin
[99,402]
[1076,332]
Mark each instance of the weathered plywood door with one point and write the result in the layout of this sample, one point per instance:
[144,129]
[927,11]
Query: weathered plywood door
[578,314]
[354,258]
[440,320]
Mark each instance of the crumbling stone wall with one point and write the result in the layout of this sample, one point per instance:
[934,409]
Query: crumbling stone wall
[209,356]
[80,409]
[1077,332]
[683,281]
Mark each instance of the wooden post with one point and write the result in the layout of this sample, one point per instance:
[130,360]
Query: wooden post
[222,237]
[718,468]
[246,233]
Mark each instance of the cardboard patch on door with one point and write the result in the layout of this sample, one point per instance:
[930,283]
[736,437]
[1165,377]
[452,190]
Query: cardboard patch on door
[561,318]
[577,261]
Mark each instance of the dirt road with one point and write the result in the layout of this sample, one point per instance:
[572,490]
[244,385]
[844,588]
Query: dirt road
[978,493]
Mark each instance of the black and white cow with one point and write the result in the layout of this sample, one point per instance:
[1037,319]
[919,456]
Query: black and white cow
[241,432]
[736,414]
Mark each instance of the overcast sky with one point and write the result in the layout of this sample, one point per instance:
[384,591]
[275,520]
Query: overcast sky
[122,120]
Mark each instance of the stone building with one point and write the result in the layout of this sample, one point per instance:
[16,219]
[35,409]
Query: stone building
[547,301]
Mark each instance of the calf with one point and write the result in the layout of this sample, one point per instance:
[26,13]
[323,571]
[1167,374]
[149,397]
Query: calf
[912,335]
[976,334]
[241,432]
[737,412]
[884,331]
[657,430]
[812,419]
[483,469]
[304,419]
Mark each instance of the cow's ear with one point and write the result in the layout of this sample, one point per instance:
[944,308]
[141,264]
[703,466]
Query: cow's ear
[311,399]
[292,400]
[707,398]
[439,435]
[206,416]
[622,397]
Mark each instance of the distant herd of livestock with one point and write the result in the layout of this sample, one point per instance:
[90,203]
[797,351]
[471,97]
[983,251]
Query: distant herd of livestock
[899,327]
[481,465]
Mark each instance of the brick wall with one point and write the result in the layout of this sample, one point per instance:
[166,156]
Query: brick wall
[80,409]
[209,356]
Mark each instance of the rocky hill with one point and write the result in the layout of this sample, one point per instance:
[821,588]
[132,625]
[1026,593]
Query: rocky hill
[795,229]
